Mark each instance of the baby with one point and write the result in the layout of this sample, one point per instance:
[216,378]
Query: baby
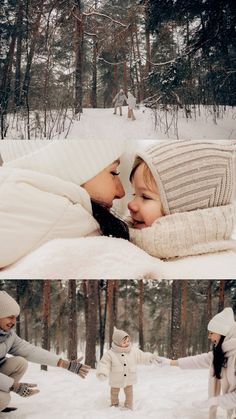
[119,364]
[183,197]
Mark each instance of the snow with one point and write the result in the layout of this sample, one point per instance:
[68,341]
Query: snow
[166,392]
[101,123]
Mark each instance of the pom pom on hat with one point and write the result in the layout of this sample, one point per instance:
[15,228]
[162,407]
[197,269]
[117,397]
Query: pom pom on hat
[118,335]
[8,306]
[222,322]
[75,161]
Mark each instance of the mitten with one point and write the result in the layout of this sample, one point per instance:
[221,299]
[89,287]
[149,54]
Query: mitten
[206,404]
[75,366]
[24,389]
[161,361]
[102,377]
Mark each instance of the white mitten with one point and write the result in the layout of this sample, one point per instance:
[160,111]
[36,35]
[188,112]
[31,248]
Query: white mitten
[206,404]
[161,361]
[102,377]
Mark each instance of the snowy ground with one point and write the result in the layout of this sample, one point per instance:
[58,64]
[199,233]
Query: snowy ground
[160,393]
[101,123]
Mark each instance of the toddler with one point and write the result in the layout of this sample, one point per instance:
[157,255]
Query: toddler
[183,198]
[119,364]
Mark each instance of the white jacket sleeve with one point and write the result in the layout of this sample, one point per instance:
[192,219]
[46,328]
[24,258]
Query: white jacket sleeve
[104,365]
[144,357]
[5,383]
[35,208]
[196,362]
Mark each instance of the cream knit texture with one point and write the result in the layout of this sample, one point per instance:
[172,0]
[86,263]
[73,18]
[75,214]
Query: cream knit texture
[8,306]
[222,322]
[72,160]
[191,174]
[118,335]
[188,233]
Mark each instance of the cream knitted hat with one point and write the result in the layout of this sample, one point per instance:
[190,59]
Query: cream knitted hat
[191,174]
[222,322]
[118,335]
[8,306]
[71,160]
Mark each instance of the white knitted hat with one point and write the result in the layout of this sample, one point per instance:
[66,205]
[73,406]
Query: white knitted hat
[118,335]
[71,160]
[222,322]
[8,306]
[191,174]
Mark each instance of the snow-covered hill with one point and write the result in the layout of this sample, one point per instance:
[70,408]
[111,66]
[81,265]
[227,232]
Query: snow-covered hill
[101,123]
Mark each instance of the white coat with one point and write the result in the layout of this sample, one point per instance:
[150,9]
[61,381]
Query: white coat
[36,208]
[227,384]
[121,367]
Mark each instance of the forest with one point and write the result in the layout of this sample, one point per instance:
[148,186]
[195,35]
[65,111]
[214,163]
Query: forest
[58,57]
[167,317]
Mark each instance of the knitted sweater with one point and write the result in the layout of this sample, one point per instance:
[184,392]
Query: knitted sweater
[120,365]
[14,345]
[188,233]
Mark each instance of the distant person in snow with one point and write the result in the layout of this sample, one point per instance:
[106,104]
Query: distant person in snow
[221,362]
[131,100]
[119,365]
[183,199]
[53,189]
[119,100]
[13,368]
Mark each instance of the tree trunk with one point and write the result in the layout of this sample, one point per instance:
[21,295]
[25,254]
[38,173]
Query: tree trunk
[102,304]
[91,331]
[19,30]
[112,309]
[175,344]
[221,296]
[79,41]
[72,324]
[46,318]
[140,311]
[184,291]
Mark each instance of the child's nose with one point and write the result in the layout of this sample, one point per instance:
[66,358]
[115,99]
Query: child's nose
[132,206]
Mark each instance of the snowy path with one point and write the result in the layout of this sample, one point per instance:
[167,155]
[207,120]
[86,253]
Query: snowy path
[101,123]
[160,393]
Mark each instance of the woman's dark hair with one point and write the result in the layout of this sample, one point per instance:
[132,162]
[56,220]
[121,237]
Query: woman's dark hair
[109,224]
[219,358]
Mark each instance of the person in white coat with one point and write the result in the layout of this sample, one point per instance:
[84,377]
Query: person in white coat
[13,368]
[119,364]
[183,199]
[119,100]
[131,100]
[53,189]
[221,362]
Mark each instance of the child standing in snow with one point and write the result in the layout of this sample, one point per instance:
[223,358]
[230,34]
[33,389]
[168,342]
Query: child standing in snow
[183,201]
[119,364]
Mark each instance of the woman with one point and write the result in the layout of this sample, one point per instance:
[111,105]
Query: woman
[221,362]
[57,189]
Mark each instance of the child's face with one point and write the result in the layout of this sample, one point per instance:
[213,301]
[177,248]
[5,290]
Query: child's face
[125,342]
[146,206]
